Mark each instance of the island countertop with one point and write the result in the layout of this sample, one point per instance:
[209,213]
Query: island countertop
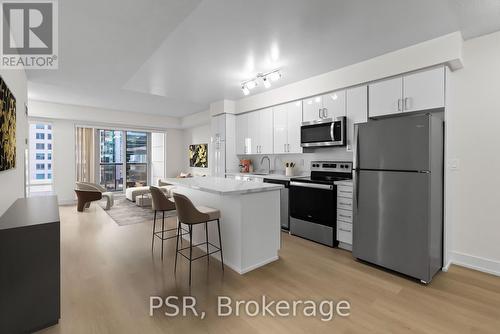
[222,186]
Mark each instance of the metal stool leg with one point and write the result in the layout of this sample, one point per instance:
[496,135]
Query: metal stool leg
[162,233]
[220,245]
[206,239]
[154,228]
[190,251]
[177,243]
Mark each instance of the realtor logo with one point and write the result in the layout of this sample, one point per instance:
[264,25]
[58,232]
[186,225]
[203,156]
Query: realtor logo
[29,34]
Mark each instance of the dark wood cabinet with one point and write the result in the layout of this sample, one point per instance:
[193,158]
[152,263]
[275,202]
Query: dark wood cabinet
[30,266]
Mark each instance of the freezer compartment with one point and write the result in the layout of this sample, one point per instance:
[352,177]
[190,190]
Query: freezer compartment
[400,143]
[391,221]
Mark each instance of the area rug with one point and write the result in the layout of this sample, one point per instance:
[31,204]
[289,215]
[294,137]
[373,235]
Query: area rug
[125,212]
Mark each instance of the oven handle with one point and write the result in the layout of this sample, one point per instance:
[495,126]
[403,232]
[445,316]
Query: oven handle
[311,185]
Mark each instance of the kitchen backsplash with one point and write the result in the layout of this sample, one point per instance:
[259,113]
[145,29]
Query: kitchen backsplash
[302,161]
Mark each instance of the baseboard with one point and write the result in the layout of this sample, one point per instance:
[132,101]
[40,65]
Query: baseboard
[475,262]
[263,263]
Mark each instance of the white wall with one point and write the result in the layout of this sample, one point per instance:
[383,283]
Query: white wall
[12,181]
[90,115]
[302,161]
[473,138]
[65,118]
[196,135]
[442,50]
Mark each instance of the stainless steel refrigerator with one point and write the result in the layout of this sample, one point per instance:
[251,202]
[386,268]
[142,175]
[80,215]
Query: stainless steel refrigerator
[398,194]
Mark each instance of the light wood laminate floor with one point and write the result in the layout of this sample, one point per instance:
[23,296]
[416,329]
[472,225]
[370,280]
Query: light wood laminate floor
[109,273]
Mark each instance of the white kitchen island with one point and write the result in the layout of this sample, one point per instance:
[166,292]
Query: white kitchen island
[250,218]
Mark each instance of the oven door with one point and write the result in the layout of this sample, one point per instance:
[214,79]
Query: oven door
[315,203]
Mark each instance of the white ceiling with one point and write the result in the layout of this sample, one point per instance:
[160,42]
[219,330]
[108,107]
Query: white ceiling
[174,57]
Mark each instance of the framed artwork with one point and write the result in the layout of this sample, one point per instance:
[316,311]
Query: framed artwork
[7,128]
[198,155]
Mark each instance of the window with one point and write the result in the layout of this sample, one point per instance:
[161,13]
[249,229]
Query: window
[40,146]
[49,127]
[111,159]
[49,146]
[40,156]
[49,176]
[40,166]
[40,127]
[49,136]
[40,135]
[49,166]
[136,158]
[49,156]
[40,176]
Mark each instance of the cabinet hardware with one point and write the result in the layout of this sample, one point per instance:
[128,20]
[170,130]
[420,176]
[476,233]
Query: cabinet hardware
[284,147]
[325,112]
[344,230]
[399,105]
[344,216]
[319,113]
[406,104]
[342,203]
[288,148]
[345,192]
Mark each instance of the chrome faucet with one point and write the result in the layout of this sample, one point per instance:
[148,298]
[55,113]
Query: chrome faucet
[268,163]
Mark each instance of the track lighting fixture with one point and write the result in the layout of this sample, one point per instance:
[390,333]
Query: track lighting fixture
[266,79]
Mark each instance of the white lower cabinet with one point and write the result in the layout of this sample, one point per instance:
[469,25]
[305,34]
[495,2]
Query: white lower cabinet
[344,215]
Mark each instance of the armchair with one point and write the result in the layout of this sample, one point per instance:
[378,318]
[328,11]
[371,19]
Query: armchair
[96,188]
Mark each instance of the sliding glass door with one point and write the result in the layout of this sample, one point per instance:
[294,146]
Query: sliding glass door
[111,159]
[137,159]
[123,156]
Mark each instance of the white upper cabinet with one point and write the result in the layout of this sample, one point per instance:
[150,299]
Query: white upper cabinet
[357,111]
[424,90]
[412,92]
[287,119]
[280,119]
[385,97]
[242,145]
[294,113]
[334,104]
[317,108]
[265,139]
[311,108]
[254,132]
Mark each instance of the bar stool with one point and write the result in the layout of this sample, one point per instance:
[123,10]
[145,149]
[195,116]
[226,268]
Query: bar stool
[190,215]
[160,202]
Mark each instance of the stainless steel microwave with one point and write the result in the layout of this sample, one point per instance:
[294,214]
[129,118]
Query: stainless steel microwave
[326,132]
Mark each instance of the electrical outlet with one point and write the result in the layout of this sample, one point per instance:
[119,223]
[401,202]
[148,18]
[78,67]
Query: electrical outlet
[454,164]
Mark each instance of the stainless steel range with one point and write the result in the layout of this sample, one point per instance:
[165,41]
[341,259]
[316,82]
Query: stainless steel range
[313,201]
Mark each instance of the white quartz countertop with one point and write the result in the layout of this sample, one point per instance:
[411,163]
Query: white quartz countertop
[267,176]
[222,186]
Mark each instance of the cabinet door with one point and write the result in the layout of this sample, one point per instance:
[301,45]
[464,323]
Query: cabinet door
[424,90]
[334,104]
[241,133]
[294,113]
[357,111]
[280,120]
[311,108]
[385,97]
[266,131]
[252,139]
